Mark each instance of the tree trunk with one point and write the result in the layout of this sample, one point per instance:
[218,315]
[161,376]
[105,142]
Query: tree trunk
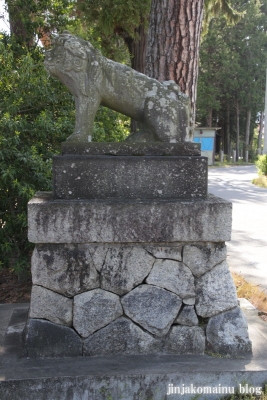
[260,130]
[137,49]
[247,129]
[209,118]
[237,130]
[18,14]
[173,44]
[227,131]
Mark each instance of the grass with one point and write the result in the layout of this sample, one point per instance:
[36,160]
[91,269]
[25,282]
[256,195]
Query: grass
[251,292]
[260,181]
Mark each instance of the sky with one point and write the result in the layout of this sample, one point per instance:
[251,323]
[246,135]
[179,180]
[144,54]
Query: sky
[4,26]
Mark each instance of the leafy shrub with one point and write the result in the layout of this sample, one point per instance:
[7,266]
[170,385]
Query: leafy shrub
[36,115]
[261,164]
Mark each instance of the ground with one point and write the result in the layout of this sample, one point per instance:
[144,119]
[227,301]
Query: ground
[13,291]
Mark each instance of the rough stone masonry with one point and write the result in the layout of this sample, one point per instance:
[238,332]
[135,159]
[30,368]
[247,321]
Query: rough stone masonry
[129,275]
[130,254]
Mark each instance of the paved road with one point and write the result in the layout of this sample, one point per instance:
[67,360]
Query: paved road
[247,251]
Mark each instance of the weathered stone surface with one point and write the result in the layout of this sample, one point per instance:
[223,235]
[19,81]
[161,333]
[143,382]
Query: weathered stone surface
[160,107]
[132,149]
[169,252]
[152,221]
[215,291]
[190,301]
[123,268]
[201,258]
[46,339]
[227,333]
[174,276]
[121,337]
[94,309]
[187,316]
[129,177]
[152,307]
[64,268]
[185,340]
[54,307]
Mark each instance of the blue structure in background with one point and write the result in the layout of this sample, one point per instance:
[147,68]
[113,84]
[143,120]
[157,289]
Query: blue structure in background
[206,137]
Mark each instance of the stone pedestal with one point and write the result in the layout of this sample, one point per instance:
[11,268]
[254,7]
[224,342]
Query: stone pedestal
[130,257]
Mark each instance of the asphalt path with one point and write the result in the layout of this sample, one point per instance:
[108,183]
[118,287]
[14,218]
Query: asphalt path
[247,251]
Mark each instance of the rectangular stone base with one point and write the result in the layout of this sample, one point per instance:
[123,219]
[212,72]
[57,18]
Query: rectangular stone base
[129,177]
[122,221]
[132,277]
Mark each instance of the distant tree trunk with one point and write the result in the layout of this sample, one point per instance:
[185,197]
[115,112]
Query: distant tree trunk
[173,44]
[18,14]
[137,49]
[227,131]
[260,130]
[237,130]
[247,129]
[209,118]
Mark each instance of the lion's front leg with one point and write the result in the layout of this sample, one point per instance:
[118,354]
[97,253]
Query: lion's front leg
[86,108]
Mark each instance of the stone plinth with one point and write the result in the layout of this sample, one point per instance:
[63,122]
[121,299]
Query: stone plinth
[117,274]
[87,221]
[129,177]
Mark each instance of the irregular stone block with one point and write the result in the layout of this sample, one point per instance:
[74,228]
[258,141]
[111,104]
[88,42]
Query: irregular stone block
[132,149]
[66,269]
[227,333]
[185,340]
[129,177]
[215,291]
[46,339]
[151,221]
[54,307]
[124,267]
[152,307]
[169,252]
[201,258]
[187,316]
[190,301]
[174,276]
[121,337]
[95,309]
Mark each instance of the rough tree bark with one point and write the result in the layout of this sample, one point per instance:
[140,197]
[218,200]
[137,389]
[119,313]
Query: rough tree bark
[17,16]
[247,134]
[173,43]
[227,146]
[237,129]
[260,130]
[137,49]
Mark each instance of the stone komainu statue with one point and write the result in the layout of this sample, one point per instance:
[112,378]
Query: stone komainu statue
[161,109]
